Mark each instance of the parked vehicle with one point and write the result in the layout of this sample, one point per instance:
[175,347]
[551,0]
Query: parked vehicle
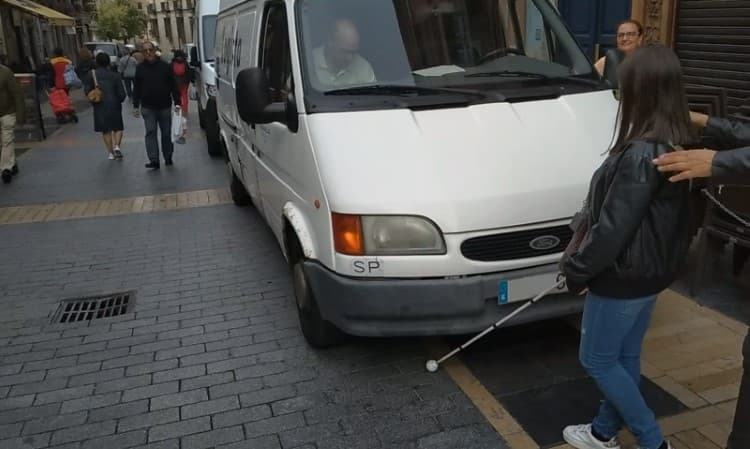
[113,49]
[418,166]
[202,59]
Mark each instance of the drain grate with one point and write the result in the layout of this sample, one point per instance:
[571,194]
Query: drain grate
[93,307]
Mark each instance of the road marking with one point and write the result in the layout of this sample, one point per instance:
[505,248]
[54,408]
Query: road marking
[498,417]
[118,206]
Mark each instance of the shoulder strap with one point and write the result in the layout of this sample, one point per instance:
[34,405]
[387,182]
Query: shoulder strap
[93,73]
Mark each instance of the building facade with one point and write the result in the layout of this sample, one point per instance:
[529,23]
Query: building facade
[170,22]
[30,31]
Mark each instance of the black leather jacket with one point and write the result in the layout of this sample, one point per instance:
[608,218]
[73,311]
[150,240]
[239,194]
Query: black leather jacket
[730,134]
[638,235]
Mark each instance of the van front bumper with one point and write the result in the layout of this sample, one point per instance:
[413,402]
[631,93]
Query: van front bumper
[418,307]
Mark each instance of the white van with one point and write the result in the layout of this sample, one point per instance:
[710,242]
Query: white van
[202,60]
[417,161]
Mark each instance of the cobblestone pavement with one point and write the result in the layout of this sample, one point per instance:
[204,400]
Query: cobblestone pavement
[210,355]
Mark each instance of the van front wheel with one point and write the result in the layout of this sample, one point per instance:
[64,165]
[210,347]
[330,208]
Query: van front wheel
[318,332]
[240,197]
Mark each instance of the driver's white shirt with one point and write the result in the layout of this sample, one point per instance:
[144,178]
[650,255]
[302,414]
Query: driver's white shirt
[359,71]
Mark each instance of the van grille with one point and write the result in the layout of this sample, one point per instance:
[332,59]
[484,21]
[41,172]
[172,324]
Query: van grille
[515,245]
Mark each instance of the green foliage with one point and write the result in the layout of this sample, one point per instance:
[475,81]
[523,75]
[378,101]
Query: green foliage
[119,19]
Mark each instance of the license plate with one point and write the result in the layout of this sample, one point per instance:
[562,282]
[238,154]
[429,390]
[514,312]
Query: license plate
[513,290]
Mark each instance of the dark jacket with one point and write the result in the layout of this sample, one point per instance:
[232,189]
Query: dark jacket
[638,235]
[155,86]
[11,95]
[730,134]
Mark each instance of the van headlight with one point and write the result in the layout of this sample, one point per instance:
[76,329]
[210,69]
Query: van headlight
[386,235]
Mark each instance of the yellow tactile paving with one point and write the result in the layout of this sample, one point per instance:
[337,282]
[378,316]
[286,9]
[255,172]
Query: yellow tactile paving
[117,206]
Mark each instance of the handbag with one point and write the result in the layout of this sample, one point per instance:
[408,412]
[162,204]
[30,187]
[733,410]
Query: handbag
[70,77]
[95,94]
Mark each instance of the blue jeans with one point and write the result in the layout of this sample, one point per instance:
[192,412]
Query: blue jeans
[611,340]
[161,119]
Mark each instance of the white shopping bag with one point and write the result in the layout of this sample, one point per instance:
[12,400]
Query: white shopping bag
[179,126]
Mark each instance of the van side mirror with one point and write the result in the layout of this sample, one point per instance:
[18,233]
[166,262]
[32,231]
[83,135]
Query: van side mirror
[254,100]
[194,57]
[612,59]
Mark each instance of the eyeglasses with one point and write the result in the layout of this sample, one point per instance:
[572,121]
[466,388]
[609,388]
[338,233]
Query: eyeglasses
[630,34]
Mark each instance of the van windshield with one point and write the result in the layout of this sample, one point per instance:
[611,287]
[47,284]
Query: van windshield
[478,45]
[110,49]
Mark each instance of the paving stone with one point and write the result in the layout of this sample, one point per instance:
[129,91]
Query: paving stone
[241,416]
[154,346]
[85,432]
[261,370]
[81,368]
[149,419]
[150,391]
[16,402]
[24,414]
[179,429]
[13,430]
[267,442]
[177,399]
[213,438]
[267,395]
[179,373]
[30,442]
[210,407]
[231,388]
[206,357]
[39,387]
[90,402]
[167,444]
[153,367]
[212,380]
[57,362]
[309,434]
[128,361]
[118,411]
[119,441]
[54,423]
[21,378]
[63,395]
[274,425]
[123,384]
[97,377]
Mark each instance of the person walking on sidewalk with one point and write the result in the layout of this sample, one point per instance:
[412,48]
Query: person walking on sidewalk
[184,76]
[724,164]
[108,111]
[12,109]
[127,67]
[154,91]
[638,237]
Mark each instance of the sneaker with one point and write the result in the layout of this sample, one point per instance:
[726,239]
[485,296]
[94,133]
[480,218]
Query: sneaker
[168,161]
[118,153]
[7,176]
[111,157]
[581,437]
[152,165]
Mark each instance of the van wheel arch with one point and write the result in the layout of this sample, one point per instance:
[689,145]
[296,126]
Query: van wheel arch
[318,332]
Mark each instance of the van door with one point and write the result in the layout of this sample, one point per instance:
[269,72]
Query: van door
[246,57]
[225,68]
[276,147]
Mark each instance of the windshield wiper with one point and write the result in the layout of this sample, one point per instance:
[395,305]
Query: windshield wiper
[403,90]
[509,73]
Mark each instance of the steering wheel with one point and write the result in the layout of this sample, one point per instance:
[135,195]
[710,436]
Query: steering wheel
[499,51]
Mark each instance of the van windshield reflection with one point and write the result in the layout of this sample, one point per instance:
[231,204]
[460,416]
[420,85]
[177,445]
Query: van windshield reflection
[474,45]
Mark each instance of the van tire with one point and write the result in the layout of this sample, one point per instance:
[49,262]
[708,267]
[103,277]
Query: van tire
[213,139]
[201,116]
[240,197]
[318,332]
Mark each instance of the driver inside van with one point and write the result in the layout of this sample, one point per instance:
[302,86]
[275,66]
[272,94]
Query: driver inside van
[338,63]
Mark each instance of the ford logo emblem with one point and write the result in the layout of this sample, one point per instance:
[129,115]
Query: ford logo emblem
[544,242]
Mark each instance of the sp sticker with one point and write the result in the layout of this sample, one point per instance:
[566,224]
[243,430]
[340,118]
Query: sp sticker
[368,266]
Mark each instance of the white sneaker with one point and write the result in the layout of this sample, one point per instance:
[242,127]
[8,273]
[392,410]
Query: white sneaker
[581,437]
[111,157]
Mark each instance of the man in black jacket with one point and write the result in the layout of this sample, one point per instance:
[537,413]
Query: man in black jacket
[154,91]
[709,163]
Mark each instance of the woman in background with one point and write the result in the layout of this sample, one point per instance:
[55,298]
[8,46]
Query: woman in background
[107,112]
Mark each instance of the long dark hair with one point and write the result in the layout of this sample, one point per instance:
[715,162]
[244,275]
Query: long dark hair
[653,104]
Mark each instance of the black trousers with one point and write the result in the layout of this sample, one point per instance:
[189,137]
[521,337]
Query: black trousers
[740,437]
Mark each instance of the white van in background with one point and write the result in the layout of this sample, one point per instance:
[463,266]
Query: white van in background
[418,163]
[202,60]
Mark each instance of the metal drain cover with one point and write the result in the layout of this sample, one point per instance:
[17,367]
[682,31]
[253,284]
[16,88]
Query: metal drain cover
[93,307]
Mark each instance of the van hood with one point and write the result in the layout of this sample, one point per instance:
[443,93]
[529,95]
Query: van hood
[474,168]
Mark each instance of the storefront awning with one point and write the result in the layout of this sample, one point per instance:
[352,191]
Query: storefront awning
[52,16]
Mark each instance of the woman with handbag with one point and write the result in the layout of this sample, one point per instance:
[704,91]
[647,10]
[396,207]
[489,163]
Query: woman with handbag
[636,238]
[106,93]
